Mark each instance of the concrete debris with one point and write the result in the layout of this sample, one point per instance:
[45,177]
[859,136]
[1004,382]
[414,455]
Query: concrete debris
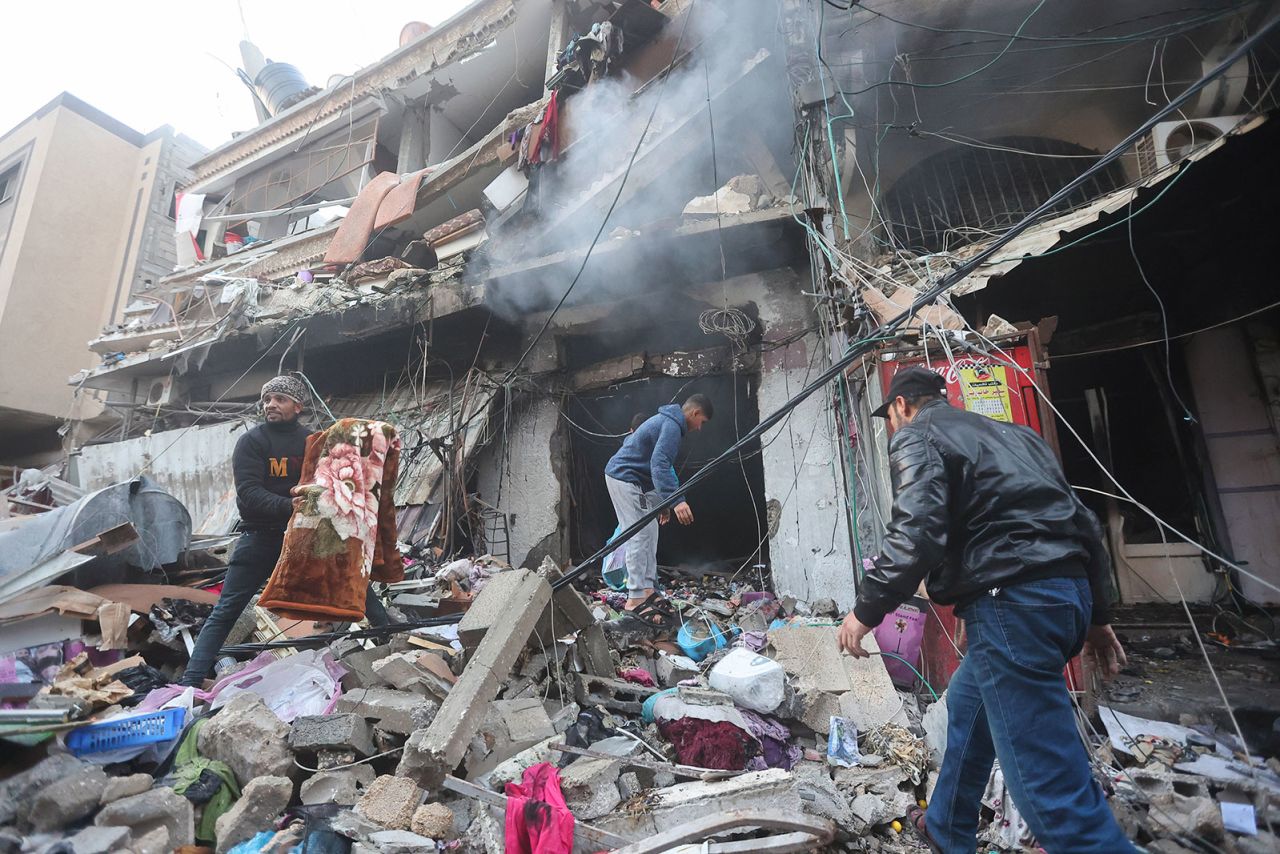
[17,792]
[100,840]
[342,731]
[390,802]
[249,737]
[401,842]
[433,820]
[742,194]
[395,711]
[590,787]
[123,787]
[332,787]
[157,818]
[506,613]
[406,671]
[259,805]
[67,800]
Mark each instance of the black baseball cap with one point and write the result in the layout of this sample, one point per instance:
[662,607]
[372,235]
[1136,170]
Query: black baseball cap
[909,383]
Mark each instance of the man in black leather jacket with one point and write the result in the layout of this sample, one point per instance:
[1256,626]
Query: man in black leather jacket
[984,516]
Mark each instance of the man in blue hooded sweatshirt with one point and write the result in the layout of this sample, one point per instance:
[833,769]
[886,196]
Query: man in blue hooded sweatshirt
[640,475]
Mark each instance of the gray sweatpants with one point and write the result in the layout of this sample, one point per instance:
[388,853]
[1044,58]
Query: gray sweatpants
[630,502]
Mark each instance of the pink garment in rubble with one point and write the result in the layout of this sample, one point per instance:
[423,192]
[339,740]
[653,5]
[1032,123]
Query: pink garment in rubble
[538,821]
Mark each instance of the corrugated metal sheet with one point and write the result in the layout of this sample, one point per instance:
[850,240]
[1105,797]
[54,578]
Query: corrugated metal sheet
[193,465]
[421,416]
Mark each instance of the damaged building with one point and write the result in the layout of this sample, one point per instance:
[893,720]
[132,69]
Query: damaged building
[538,219]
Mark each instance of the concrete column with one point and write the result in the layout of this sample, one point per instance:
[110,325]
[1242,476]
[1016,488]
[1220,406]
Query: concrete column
[415,138]
[560,33]
[811,554]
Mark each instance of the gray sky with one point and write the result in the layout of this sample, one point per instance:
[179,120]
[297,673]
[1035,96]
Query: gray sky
[155,62]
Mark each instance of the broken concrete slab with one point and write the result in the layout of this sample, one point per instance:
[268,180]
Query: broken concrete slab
[506,614]
[331,787]
[123,787]
[100,840]
[668,808]
[590,787]
[394,710]
[150,813]
[503,595]
[359,666]
[67,800]
[390,802]
[341,731]
[249,738]
[261,802]
[401,842]
[405,672]
[820,794]
[16,792]
[816,708]
[526,720]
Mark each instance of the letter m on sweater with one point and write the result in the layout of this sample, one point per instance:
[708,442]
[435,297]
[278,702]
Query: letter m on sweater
[279,466]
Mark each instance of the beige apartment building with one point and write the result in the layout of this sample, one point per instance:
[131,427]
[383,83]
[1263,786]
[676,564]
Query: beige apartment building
[86,229]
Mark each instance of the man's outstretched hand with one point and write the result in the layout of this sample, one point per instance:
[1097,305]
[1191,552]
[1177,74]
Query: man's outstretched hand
[850,636]
[1102,645]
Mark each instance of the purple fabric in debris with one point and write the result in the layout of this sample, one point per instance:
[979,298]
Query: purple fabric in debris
[755,641]
[773,735]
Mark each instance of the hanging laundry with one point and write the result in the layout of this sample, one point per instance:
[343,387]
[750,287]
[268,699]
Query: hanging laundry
[344,534]
[538,820]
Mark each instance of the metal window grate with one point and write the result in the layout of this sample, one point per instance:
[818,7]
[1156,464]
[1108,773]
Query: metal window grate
[970,194]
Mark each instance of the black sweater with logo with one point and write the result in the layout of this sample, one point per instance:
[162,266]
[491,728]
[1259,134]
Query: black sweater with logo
[267,463]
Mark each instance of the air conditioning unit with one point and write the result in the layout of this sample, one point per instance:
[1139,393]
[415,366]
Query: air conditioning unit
[162,392]
[1172,141]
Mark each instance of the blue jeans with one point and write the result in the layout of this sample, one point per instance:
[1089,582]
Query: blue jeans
[1009,700]
[254,558]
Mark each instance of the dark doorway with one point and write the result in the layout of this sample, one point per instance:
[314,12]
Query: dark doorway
[729,521]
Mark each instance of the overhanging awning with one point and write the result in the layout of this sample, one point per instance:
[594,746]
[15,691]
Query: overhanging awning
[1043,237]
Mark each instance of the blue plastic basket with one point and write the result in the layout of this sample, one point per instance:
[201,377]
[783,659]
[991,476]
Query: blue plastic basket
[135,731]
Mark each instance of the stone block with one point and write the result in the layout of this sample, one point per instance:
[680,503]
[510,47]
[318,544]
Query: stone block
[590,787]
[123,787]
[160,809]
[526,720]
[155,841]
[403,670]
[16,792]
[100,840]
[390,802]
[341,731]
[816,708]
[401,842]
[1198,817]
[67,800]
[261,802]
[394,711]
[629,785]
[434,820]
[359,666]
[249,737]
[331,787]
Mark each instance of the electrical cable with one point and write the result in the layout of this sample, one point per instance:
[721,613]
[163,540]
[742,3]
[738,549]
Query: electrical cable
[858,348]
[928,297]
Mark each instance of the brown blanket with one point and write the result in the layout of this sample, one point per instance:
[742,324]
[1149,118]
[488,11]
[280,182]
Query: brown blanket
[344,535]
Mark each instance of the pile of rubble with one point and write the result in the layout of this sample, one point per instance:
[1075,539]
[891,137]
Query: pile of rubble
[526,718]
